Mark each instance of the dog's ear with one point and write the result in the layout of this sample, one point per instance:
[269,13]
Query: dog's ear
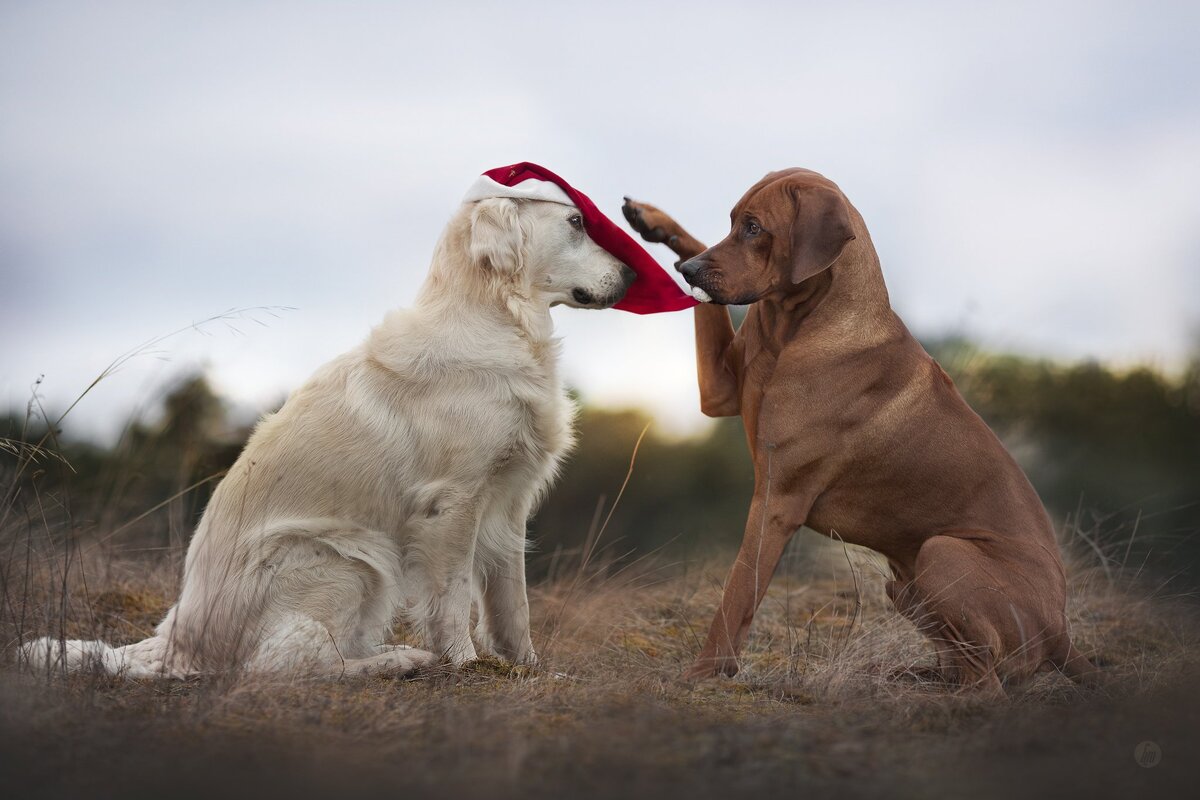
[821,230]
[496,235]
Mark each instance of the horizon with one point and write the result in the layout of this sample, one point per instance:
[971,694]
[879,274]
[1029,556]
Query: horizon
[148,410]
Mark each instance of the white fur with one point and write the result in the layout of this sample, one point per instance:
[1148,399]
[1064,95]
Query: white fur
[396,482]
[701,295]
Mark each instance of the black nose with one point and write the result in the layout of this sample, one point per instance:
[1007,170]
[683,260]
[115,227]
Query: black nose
[689,268]
[628,276]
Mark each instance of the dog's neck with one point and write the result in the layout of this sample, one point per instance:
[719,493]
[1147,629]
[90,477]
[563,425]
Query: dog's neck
[494,306]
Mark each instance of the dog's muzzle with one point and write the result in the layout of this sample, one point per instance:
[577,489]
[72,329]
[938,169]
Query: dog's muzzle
[586,298]
[691,270]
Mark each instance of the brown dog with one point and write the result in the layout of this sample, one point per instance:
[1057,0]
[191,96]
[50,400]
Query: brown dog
[856,432]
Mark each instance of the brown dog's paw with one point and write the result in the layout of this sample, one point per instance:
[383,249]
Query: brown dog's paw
[706,668]
[652,224]
[921,675]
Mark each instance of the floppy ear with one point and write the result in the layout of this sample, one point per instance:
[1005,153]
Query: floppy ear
[496,235]
[820,231]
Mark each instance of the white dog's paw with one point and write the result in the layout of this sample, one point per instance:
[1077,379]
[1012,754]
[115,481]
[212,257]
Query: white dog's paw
[519,655]
[701,295]
[461,653]
[413,659]
[402,659]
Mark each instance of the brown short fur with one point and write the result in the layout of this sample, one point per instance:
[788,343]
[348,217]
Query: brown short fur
[855,431]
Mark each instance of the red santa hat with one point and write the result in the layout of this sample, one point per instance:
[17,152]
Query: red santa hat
[652,292]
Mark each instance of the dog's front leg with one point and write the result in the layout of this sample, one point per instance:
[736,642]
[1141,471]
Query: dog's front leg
[658,226]
[717,367]
[770,525]
[503,627]
[443,559]
[504,612]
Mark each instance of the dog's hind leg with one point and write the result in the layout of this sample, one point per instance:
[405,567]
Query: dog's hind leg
[1076,666]
[397,661]
[947,599]
[330,594]
[299,644]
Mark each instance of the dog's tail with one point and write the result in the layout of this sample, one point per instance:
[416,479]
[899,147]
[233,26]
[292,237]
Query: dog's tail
[145,659]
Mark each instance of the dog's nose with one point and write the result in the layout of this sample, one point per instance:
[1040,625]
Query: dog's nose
[628,276]
[689,268]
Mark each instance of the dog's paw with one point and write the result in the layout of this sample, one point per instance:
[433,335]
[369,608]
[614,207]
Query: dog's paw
[493,667]
[707,668]
[519,656]
[653,225]
[918,674]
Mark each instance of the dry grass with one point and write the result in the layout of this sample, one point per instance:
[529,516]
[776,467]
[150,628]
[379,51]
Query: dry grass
[831,700]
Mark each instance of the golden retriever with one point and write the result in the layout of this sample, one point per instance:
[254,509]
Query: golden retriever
[396,482]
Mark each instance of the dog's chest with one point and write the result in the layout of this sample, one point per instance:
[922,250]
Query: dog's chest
[539,433]
[758,369]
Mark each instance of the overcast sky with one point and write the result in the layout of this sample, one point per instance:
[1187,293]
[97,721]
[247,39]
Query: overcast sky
[1030,173]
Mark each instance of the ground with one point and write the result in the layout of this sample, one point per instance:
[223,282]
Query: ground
[832,700]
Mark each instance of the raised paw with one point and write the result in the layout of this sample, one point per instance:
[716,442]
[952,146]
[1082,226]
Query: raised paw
[652,224]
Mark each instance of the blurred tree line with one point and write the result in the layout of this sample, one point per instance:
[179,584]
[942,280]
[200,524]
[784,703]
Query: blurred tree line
[152,484]
[1114,453]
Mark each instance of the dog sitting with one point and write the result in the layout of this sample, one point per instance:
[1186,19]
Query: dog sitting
[397,481]
[856,432]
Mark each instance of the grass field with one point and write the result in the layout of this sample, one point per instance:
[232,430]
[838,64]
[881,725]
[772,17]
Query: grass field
[832,700]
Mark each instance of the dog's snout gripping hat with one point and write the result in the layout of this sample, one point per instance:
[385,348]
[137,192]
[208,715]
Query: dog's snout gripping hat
[652,292]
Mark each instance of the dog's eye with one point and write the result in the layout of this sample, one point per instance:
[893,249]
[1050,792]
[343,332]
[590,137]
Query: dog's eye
[752,228]
[576,222]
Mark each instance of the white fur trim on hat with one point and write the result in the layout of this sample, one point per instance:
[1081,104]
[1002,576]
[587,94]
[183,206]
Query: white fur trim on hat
[532,189]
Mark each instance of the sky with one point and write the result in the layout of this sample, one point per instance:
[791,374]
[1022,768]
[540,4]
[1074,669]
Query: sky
[1030,172]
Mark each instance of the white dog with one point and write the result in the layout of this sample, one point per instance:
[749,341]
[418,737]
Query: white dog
[398,480]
